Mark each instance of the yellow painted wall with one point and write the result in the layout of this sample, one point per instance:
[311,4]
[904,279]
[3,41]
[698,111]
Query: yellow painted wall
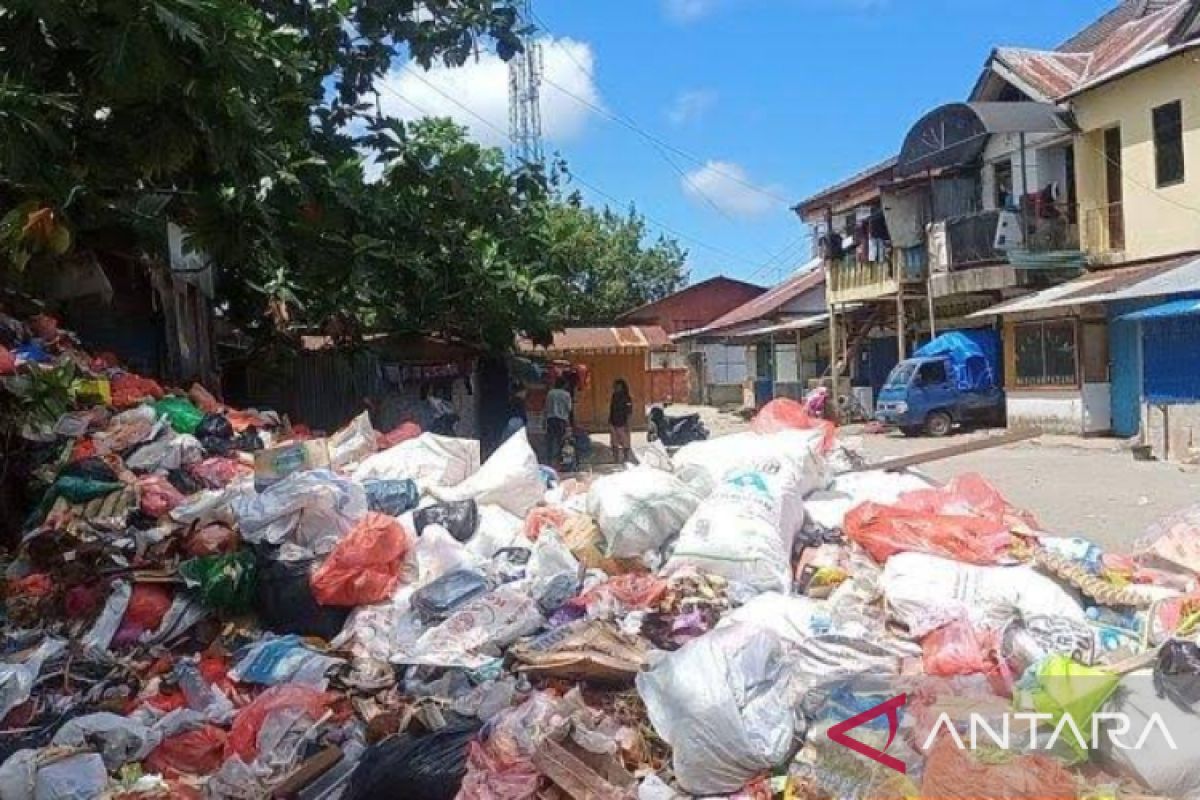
[1155,224]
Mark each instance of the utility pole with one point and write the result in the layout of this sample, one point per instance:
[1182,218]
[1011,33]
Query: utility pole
[524,93]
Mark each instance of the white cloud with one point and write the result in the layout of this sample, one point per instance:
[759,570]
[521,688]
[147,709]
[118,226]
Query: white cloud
[482,86]
[688,10]
[728,186]
[691,106]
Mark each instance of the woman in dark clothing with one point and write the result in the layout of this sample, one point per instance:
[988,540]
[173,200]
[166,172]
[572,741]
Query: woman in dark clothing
[620,409]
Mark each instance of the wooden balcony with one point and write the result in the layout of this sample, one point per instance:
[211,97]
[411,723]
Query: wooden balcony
[851,281]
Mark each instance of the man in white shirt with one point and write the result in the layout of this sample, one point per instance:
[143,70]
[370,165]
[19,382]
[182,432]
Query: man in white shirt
[558,420]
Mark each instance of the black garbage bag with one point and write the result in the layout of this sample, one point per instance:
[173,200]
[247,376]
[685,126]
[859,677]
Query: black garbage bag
[460,518]
[1177,673]
[92,468]
[249,440]
[215,433]
[437,601]
[425,766]
[391,496]
[285,603]
[183,480]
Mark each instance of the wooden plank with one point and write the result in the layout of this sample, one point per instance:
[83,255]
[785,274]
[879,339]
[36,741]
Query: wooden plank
[573,776]
[308,772]
[950,451]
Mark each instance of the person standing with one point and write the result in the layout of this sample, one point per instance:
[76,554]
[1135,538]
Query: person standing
[558,419]
[620,409]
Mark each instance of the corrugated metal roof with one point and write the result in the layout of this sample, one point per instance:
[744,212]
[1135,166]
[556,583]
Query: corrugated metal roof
[695,287]
[812,321]
[764,306]
[1050,74]
[882,171]
[629,337]
[1175,276]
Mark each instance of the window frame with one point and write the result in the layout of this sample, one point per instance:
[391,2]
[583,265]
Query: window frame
[1043,381]
[1161,142]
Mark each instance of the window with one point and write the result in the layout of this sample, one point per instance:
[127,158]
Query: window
[1046,353]
[1168,143]
[933,373]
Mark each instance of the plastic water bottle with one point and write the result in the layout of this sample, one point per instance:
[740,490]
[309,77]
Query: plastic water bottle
[1106,616]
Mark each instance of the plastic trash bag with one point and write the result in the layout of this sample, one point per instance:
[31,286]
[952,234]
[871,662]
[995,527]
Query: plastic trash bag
[887,530]
[215,505]
[17,679]
[959,649]
[1063,688]
[391,497]
[956,774]
[1163,771]
[130,390]
[542,518]
[553,571]
[438,554]
[641,509]
[437,600]
[217,472]
[74,778]
[497,530]
[401,433]
[200,751]
[99,637]
[156,496]
[285,604]
[429,766]
[510,479]
[148,605]
[213,539]
[744,530]
[429,460]
[352,444]
[182,416]
[281,659]
[721,703]
[80,490]
[215,432]
[311,510]
[793,619]
[365,566]
[720,455]
[784,414]
[500,762]
[925,592]
[1177,673]
[223,581]
[479,630]
[119,739]
[243,734]
[460,519]
[168,453]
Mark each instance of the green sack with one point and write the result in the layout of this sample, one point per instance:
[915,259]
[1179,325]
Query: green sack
[1066,688]
[180,413]
[224,582]
[80,490]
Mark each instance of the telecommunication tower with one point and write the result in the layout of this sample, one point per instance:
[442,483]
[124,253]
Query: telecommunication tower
[524,91]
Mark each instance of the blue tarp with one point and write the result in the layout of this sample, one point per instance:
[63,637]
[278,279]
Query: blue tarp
[1167,310]
[970,366]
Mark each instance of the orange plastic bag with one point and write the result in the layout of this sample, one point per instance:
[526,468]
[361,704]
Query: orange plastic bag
[631,591]
[148,604]
[402,433]
[196,752]
[8,362]
[544,515]
[884,531]
[953,773]
[243,734]
[203,399]
[783,414]
[129,390]
[959,649]
[968,494]
[365,566]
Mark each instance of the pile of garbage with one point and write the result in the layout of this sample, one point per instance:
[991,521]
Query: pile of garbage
[210,602]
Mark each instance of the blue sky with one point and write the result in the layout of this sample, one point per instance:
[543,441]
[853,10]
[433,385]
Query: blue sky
[785,95]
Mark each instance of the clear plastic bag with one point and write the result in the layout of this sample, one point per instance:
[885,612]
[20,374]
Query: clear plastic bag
[312,510]
[243,735]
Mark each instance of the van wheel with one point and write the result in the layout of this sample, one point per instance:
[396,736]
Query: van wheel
[912,430]
[938,423]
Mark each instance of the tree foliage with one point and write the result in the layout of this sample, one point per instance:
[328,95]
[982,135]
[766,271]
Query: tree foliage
[247,121]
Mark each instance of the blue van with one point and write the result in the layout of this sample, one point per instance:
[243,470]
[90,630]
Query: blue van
[947,382]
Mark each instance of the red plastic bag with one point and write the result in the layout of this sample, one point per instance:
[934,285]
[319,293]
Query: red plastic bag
[783,414]
[243,734]
[156,496]
[212,540]
[959,649]
[405,431]
[544,515]
[148,604]
[39,584]
[954,773]
[8,362]
[968,494]
[196,752]
[218,472]
[365,566]
[203,399]
[886,530]
[129,390]
[631,591]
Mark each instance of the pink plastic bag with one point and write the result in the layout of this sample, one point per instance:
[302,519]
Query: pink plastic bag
[157,497]
[402,433]
[958,649]
[217,472]
[243,735]
[783,414]
[365,566]
[148,604]
[631,591]
[968,494]
[543,515]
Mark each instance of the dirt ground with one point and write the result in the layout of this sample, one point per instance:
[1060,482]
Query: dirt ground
[1075,486]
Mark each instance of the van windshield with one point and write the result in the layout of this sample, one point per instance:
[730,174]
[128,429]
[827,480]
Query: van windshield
[901,374]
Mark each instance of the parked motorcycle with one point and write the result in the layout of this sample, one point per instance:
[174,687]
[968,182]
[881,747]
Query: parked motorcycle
[675,431]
